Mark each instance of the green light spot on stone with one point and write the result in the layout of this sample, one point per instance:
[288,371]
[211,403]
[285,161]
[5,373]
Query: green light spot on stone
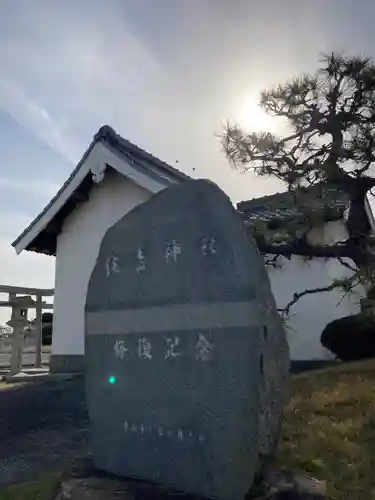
[111,379]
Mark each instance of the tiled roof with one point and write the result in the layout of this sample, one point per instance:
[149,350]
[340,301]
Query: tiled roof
[288,206]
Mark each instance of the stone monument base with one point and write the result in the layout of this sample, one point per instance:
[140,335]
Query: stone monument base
[82,482]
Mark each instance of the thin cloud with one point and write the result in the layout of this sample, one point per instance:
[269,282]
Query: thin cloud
[35,118]
[98,70]
[76,73]
[34,187]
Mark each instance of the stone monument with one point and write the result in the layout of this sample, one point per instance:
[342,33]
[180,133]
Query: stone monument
[186,357]
[18,322]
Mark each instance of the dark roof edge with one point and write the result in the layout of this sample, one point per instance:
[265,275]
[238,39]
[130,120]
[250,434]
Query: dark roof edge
[59,192]
[108,134]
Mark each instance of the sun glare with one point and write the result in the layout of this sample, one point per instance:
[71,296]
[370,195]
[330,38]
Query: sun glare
[252,118]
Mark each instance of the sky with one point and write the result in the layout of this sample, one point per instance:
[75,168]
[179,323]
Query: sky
[165,74]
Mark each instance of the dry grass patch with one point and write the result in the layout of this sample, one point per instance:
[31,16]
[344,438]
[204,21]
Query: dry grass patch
[329,429]
[45,488]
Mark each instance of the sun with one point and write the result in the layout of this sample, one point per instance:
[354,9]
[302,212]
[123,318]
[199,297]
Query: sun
[252,118]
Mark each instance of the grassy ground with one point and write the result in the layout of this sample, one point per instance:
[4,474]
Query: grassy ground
[45,488]
[328,431]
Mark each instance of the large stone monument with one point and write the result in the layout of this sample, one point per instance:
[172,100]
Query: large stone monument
[186,357]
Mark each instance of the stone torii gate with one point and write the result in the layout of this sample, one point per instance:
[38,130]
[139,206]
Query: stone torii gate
[20,300]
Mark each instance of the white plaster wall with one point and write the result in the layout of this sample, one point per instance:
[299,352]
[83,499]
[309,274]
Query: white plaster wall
[311,313]
[77,249]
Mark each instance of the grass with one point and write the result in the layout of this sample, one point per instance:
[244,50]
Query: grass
[329,429]
[45,488]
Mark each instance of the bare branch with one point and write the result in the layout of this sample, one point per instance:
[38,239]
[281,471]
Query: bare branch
[272,262]
[346,284]
[347,265]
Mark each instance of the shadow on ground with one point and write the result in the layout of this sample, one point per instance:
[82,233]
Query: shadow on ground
[42,426]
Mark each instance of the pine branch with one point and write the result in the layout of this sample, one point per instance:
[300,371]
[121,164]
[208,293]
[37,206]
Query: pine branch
[332,141]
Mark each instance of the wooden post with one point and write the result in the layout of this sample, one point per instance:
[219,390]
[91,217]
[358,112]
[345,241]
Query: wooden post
[38,332]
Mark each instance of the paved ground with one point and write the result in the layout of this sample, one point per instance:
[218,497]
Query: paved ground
[42,426]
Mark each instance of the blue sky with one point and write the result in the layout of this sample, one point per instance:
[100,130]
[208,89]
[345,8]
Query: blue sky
[164,73]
